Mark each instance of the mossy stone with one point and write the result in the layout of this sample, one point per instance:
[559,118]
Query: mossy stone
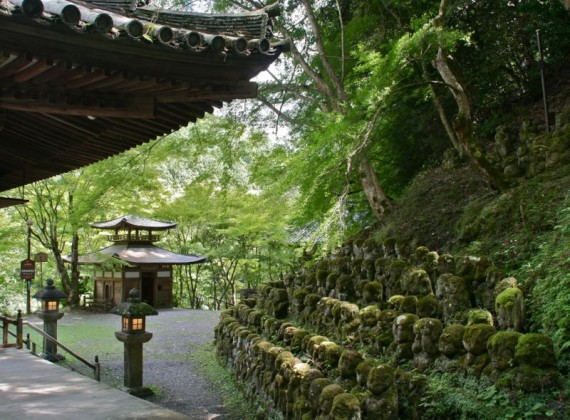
[508,297]
[297,339]
[427,307]
[345,407]
[479,316]
[536,350]
[363,370]
[321,277]
[427,332]
[312,300]
[345,287]
[451,340]
[417,282]
[506,283]
[510,309]
[330,283]
[372,292]
[315,390]
[403,328]
[331,353]
[395,302]
[327,396]
[501,348]
[348,362]
[380,379]
[370,315]
[534,379]
[314,343]
[476,336]
[409,305]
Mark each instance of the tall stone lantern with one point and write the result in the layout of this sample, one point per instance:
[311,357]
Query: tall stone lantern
[50,314]
[133,335]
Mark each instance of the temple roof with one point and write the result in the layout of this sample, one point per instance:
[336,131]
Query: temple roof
[133,222]
[82,81]
[139,253]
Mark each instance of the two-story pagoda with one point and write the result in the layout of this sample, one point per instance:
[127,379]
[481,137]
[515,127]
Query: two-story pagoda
[145,266]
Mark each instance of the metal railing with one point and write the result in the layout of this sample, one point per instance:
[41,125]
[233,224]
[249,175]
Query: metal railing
[30,345]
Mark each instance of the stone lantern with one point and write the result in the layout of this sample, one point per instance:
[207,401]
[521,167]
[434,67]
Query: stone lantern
[133,335]
[50,314]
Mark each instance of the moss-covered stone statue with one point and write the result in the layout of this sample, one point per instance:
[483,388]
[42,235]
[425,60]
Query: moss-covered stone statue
[510,309]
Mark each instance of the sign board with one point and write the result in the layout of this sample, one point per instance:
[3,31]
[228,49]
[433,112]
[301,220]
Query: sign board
[41,257]
[27,269]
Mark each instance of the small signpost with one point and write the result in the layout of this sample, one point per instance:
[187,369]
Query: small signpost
[41,257]
[28,273]
[27,269]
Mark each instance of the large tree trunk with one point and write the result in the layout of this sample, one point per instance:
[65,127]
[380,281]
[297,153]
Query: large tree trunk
[379,202]
[70,282]
[463,121]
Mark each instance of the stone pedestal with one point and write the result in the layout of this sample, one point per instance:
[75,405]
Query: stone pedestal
[50,328]
[133,359]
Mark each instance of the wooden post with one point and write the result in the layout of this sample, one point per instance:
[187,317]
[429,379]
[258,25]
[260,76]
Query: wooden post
[19,331]
[97,370]
[5,326]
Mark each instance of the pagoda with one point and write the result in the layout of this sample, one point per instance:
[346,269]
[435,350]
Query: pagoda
[144,265]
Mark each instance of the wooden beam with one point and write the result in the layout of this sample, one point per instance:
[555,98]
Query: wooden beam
[33,70]
[136,109]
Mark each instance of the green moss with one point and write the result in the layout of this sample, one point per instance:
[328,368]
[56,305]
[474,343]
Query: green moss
[395,301]
[327,396]
[322,277]
[348,362]
[501,348]
[479,316]
[408,305]
[427,306]
[363,370]
[476,336]
[345,406]
[536,350]
[380,379]
[508,297]
[451,340]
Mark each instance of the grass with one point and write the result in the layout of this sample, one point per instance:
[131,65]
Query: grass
[231,392]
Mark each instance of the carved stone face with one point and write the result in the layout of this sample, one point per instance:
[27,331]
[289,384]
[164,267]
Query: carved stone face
[427,332]
[451,340]
[403,328]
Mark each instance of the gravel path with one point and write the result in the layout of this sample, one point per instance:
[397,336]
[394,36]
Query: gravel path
[169,368]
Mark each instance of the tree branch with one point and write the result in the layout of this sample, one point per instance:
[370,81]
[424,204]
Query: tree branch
[340,93]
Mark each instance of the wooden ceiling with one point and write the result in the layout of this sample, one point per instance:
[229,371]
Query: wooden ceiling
[76,90]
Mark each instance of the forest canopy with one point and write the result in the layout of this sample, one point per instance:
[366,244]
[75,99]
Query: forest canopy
[371,95]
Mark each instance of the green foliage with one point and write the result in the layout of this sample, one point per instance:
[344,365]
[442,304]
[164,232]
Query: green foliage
[545,274]
[454,396]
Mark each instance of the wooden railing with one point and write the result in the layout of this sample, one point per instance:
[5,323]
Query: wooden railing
[6,333]
[18,335]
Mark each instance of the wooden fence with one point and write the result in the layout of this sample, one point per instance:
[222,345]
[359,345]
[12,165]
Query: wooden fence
[18,341]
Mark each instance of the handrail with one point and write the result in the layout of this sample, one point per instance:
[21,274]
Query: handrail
[18,322]
[95,366]
[19,335]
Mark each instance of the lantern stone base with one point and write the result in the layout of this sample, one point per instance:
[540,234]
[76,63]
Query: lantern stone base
[133,360]
[50,357]
[140,392]
[50,328]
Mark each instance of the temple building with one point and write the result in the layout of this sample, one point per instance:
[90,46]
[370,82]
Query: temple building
[134,261]
[84,80]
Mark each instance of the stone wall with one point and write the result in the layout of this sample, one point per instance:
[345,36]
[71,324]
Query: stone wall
[354,335]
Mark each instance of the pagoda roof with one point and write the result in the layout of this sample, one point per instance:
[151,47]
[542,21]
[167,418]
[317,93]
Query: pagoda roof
[133,222]
[138,253]
[81,81]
